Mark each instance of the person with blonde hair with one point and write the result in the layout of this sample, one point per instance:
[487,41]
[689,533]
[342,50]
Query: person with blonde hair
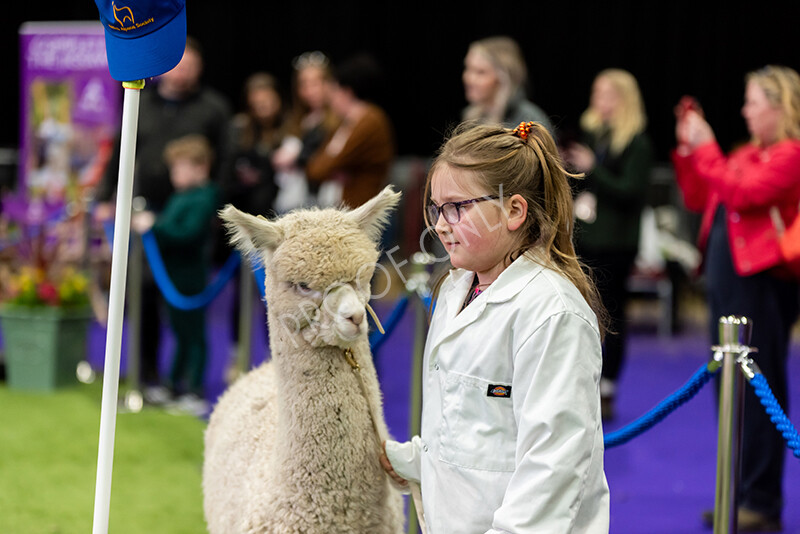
[746,198]
[495,78]
[511,437]
[616,155]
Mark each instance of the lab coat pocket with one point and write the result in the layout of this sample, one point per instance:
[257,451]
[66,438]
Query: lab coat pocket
[478,431]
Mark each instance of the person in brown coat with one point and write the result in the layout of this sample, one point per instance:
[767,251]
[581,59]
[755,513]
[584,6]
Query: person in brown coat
[354,163]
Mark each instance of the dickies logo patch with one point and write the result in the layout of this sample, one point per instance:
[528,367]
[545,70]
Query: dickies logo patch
[498,390]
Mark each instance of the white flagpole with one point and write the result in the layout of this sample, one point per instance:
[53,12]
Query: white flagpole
[119,269]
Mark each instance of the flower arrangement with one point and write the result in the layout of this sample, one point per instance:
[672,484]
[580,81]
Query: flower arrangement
[33,286]
[40,254]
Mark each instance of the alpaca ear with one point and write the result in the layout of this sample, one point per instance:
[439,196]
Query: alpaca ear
[253,236]
[373,215]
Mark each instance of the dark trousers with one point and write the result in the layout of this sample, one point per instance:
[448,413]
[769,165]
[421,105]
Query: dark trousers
[772,305]
[151,331]
[187,374]
[189,361]
[611,270]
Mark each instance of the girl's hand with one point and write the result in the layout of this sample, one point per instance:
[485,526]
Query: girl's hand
[580,157]
[387,466]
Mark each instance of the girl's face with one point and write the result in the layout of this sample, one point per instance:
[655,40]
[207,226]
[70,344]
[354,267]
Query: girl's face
[480,79]
[762,117]
[311,87]
[605,99]
[265,103]
[480,241]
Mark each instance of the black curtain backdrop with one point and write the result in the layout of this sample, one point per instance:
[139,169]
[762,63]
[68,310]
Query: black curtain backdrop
[673,48]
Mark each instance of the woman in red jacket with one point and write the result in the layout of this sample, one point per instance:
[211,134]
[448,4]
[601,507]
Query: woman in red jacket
[747,198]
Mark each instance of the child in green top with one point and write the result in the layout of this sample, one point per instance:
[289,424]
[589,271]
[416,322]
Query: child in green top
[182,231]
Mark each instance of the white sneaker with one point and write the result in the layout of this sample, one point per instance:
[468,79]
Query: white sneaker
[157,395]
[189,404]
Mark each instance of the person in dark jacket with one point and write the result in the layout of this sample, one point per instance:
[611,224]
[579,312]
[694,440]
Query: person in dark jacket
[175,106]
[616,155]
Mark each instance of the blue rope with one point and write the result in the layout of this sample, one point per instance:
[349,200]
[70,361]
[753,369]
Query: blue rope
[260,275]
[376,339]
[776,414]
[168,289]
[661,410]
[108,229]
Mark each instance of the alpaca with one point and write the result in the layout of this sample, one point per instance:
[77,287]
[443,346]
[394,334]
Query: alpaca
[293,446]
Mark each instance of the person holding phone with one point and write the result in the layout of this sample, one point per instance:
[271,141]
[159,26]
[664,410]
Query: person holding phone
[744,197]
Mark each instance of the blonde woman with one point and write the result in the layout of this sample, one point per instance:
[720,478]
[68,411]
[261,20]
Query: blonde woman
[616,156]
[745,198]
[494,79]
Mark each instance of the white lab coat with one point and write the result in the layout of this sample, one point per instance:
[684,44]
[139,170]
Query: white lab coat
[531,462]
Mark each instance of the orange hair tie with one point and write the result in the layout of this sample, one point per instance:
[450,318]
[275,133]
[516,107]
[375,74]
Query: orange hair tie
[523,130]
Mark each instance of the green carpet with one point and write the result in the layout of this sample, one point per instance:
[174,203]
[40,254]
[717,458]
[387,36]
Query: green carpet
[48,464]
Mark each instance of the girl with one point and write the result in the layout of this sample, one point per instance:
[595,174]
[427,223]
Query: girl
[617,157]
[511,436]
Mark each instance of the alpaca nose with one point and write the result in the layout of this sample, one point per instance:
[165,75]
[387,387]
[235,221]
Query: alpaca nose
[355,317]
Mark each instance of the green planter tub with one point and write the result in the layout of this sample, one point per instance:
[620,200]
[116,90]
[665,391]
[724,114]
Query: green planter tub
[43,345]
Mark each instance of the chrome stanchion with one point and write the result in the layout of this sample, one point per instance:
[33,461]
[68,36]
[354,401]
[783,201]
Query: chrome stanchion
[133,400]
[417,284]
[84,371]
[734,336]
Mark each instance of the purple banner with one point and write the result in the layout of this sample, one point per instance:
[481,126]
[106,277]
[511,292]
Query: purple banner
[70,109]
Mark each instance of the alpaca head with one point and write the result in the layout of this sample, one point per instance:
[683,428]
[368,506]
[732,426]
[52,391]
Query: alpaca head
[318,266]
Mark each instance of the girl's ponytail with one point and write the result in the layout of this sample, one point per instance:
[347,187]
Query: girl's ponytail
[555,220]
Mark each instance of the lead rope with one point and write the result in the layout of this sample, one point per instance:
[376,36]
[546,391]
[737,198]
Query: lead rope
[416,494]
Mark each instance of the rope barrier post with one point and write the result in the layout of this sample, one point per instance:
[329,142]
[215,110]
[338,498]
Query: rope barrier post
[417,284]
[133,400]
[84,371]
[734,336]
[243,348]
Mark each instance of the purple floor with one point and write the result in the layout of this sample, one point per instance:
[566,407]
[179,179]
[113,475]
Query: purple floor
[660,481]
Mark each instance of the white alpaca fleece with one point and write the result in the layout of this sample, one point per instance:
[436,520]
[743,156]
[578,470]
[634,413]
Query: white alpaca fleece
[291,447]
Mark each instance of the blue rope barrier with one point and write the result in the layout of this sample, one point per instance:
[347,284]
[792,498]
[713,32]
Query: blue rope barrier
[776,414]
[108,229]
[165,285]
[661,410]
[376,339]
[168,289]
[260,276]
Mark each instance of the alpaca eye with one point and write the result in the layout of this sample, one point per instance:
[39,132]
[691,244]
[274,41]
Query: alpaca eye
[303,289]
